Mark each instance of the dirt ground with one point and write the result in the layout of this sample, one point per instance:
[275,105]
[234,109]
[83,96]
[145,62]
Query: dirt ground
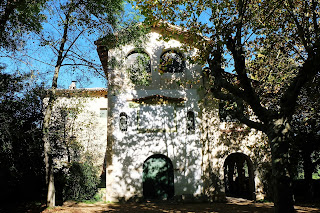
[233,205]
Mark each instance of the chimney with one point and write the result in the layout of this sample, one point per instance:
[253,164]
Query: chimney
[73,85]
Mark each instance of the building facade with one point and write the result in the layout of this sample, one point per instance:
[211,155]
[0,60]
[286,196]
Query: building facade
[78,125]
[167,137]
[155,132]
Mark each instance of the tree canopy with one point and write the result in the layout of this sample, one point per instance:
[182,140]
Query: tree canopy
[18,17]
[20,138]
[75,18]
[271,48]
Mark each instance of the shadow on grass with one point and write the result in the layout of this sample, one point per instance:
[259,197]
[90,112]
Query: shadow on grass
[234,207]
[192,207]
[22,207]
[201,208]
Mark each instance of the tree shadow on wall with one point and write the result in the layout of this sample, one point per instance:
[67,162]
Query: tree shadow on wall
[141,148]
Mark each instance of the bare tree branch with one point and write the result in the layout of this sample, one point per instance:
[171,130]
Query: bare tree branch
[74,40]
[306,72]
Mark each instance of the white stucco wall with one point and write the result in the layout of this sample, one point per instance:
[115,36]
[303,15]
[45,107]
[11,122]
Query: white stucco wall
[132,147]
[86,125]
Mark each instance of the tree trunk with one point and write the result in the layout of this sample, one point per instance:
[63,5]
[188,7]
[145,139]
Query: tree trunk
[48,151]
[48,113]
[51,196]
[46,137]
[279,138]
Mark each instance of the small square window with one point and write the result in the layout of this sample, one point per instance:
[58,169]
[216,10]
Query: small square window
[103,112]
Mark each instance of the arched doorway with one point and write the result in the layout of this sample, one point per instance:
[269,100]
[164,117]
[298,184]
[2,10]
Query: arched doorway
[238,176]
[158,177]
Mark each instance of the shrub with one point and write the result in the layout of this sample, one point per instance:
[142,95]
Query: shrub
[81,182]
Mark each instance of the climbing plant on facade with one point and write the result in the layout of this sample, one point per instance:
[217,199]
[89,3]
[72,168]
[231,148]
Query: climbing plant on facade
[272,48]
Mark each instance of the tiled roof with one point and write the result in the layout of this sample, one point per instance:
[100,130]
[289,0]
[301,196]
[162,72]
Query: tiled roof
[82,92]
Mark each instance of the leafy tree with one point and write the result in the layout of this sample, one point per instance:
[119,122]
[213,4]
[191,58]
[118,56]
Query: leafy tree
[21,147]
[306,125]
[271,47]
[17,17]
[75,19]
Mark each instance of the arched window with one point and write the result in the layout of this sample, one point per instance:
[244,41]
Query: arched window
[190,121]
[172,62]
[139,67]
[123,122]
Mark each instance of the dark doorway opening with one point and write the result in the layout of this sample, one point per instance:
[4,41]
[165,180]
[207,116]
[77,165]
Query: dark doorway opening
[158,180]
[239,177]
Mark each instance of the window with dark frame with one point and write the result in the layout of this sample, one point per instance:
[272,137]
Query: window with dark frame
[190,121]
[123,122]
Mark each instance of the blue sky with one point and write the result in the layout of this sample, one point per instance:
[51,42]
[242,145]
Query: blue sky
[39,59]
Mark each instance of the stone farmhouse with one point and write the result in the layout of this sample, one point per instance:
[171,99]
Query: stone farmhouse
[157,134]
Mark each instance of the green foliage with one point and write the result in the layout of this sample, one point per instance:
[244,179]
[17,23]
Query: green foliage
[96,198]
[316,176]
[132,33]
[21,148]
[81,181]
[18,17]
[92,13]
[135,34]
[62,132]
[171,62]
